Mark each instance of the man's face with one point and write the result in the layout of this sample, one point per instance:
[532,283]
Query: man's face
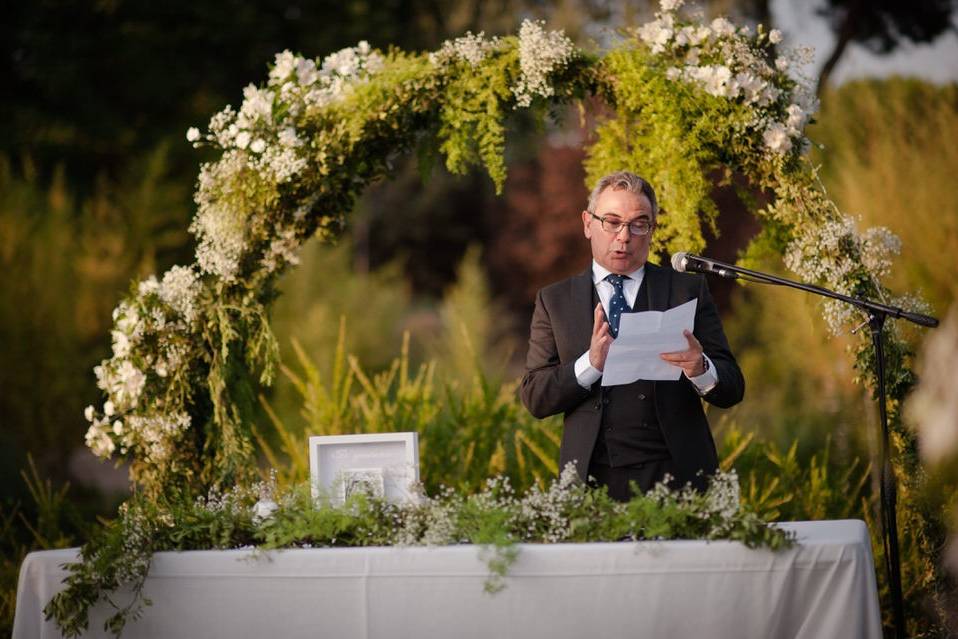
[621,252]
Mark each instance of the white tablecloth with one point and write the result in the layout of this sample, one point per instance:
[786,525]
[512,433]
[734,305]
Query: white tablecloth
[824,587]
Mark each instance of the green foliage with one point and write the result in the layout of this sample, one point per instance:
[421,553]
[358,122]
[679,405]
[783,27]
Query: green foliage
[51,521]
[471,129]
[886,158]
[667,133]
[468,431]
[65,260]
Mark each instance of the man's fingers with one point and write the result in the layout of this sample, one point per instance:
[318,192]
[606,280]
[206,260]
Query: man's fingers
[693,342]
[598,319]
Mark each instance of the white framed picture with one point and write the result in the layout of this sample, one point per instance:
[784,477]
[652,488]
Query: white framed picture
[380,464]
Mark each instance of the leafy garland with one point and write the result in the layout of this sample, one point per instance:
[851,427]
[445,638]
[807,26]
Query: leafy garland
[496,519]
[689,99]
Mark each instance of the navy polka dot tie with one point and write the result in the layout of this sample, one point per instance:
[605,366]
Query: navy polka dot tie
[617,305]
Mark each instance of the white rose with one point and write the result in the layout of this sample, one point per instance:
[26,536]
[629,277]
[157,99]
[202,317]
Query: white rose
[192,134]
[774,36]
[258,146]
[242,140]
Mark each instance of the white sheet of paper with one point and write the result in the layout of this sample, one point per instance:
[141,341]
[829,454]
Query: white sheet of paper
[634,354]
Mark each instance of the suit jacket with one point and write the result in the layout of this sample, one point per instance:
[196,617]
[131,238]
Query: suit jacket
[561,331]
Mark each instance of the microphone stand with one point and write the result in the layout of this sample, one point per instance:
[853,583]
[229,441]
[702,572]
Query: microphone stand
[877,314]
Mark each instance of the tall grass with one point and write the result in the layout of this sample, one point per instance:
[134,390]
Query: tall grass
[890,156]
[64,263]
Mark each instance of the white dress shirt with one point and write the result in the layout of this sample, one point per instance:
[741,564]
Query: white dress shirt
[585,373]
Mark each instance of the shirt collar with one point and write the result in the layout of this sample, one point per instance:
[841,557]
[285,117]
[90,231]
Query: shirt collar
[599,272]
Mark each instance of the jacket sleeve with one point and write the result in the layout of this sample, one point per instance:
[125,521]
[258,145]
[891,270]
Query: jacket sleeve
[549,385]
[708,330]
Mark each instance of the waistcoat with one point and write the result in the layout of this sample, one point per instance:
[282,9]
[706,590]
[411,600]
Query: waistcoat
[629,432]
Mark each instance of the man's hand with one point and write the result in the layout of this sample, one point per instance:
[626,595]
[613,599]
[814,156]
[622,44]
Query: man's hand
[691,360]
[601,339]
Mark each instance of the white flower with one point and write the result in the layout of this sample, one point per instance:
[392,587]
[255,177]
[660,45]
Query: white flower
[192,134]
[306,72]
[121,344]
[774,36]
[722,27]
[468,48]
[108,408]
[878,246]
[264,509]
[657,33]
[88,413]
[776,138]
[282,67]
[288,137]
[130,383]
[540,54]
[99,441]
[180,290]
[717,81]
[781,63]
[242,140]
[220,231]
[669,6]
[257,146]
[147,286]
[257,105]
[118,427]
[796,119]
[723,496]
[750,86]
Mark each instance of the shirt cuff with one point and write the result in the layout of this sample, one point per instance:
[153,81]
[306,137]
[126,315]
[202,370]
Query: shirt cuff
[706,381]
[585,373]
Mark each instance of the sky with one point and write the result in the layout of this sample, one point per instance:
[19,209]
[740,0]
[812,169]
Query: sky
[937,62]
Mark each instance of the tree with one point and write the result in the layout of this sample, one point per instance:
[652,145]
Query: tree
[882,25]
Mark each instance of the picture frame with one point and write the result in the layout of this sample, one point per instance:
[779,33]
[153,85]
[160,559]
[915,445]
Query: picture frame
[380,464]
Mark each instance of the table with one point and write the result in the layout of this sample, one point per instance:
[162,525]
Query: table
[823,587]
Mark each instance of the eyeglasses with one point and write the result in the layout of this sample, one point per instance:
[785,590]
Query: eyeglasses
[614,225]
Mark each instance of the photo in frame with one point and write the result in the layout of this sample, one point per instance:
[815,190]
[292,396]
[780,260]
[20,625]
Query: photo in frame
[379,464]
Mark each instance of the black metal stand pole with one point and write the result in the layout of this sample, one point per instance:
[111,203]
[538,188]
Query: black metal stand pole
[889,484]
[877,314]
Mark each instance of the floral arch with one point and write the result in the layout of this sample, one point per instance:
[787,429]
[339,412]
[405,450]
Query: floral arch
[686,99]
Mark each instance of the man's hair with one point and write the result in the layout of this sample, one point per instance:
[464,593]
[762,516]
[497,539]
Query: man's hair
[624,180]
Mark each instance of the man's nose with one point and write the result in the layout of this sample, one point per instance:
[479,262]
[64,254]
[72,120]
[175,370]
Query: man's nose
[624,234]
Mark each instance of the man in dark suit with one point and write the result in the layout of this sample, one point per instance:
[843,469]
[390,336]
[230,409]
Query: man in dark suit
[637,432]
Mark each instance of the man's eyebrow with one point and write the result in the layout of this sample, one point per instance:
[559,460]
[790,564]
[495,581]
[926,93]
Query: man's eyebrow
[643,215]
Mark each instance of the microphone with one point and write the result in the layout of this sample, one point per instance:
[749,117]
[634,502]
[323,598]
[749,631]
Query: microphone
[688,263]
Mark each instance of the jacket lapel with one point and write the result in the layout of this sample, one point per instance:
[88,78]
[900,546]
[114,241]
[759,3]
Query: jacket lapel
[581,302]
[658,286]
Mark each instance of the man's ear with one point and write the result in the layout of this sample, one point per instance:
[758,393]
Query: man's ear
[586,227]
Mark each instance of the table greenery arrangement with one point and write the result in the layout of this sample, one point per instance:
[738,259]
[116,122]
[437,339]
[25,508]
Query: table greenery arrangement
[260,518]
[687,100]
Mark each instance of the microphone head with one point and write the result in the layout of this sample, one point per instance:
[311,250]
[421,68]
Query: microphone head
[679,261]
